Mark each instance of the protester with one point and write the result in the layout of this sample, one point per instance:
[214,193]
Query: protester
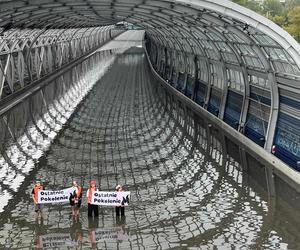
[121,208]
[75,198]
[37,207]
[92,208]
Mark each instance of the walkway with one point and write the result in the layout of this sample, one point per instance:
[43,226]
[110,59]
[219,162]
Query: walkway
[181,197]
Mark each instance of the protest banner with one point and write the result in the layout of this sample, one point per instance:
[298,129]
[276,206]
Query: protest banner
[110,198]
[60,196]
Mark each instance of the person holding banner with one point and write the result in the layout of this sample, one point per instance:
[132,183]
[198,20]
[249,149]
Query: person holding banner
[37,206]
[92,208]
[120,208]
[75,198]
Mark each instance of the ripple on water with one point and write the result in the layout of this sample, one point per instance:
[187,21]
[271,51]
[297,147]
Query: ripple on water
[182,198]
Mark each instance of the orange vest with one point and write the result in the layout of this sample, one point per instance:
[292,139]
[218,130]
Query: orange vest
[36,192]
[78,191]
[91,190]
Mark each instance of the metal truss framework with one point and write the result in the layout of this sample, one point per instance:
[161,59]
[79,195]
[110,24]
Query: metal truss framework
[29,54]
[228,48]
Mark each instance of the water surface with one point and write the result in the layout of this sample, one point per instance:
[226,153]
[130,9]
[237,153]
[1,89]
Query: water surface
[184,195]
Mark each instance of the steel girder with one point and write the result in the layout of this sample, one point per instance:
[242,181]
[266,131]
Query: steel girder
[27,55]
[238,50]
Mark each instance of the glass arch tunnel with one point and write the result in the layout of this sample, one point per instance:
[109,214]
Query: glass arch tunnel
[197,114]
[237,64]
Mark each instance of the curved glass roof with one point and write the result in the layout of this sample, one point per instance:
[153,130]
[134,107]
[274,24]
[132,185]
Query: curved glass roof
[219,30]
[237,48]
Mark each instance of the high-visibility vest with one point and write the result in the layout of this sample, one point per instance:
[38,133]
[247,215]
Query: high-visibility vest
[78,191]
[91,190]
[36,191]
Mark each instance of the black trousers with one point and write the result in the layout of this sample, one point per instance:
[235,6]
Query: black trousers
[93,208]
[120,210]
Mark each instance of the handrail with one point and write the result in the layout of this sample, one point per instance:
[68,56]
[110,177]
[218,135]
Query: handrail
[19,96]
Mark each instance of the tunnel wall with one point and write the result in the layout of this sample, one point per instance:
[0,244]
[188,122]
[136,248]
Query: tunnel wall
[237,64]
[223,142]
[243,99]
[28,55]
[28,128]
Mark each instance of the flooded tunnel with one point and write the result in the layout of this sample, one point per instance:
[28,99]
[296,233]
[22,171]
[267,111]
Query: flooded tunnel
[187,191]
[191,106]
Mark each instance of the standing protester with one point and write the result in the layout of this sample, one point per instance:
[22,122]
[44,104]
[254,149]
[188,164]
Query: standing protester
[92,208]
[37,187]
[120,208]
[75,198]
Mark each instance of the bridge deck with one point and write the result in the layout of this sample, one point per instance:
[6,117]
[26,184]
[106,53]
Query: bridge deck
[181,197]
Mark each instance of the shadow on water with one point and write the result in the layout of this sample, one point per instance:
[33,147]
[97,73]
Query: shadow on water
[186,180]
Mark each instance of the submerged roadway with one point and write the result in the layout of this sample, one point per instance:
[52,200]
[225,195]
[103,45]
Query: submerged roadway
[181,196]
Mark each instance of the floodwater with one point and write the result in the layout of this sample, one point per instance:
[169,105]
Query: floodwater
[183,196]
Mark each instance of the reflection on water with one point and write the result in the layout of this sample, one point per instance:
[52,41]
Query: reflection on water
[44,114]
[77,237]
[185,193]
[118,233]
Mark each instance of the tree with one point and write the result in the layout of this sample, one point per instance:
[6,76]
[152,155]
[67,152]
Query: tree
[250,4]
[273,8]
[293,26]
[279,20]
[285,15]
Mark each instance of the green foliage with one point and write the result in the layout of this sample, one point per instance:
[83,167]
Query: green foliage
[286,15]
[250,4]
[293,26]
[279,20]
[273,8]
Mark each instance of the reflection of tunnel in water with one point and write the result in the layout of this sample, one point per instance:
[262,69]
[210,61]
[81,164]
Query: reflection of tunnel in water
[184,194]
